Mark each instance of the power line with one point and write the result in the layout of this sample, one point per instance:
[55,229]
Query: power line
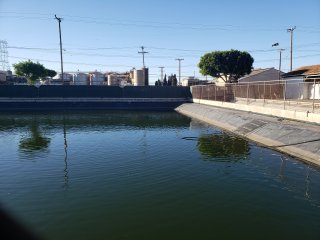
[154,24]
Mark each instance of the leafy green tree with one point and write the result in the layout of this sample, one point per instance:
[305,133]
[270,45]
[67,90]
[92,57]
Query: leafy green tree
[32,71]
[50,73]
[227,65]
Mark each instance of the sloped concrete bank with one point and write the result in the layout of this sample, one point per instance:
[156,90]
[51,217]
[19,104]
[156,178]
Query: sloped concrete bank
[297,139]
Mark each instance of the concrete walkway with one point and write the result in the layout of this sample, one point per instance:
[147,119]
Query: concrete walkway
[298,139]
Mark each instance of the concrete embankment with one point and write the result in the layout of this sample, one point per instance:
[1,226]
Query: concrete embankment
[297,139]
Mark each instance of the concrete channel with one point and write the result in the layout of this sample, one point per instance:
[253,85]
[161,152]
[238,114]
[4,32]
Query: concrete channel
[298,139]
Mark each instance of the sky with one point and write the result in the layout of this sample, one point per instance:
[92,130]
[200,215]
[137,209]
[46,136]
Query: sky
[107,35]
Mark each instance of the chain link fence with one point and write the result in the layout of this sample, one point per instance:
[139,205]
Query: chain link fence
[281,93]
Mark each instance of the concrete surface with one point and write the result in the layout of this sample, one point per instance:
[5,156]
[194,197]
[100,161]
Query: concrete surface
[298,139]
[298,113]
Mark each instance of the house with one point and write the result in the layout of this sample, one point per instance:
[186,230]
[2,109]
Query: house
[303,82]
[256,75]
[261,75]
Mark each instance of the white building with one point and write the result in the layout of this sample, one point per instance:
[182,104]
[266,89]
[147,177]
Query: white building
[57,79]
[96,78]
[303,83]
[80,78]
[189,81]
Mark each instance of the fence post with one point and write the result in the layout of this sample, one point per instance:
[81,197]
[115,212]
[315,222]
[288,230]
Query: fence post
[314,93]
[235,91]
[284,93]
[224,93]
[208,90]
[264,92]
[215,92]
[248,93]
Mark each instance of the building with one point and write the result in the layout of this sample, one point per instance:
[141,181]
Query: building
[118,79]
[140,77]
[97,78]
[261,75]
[189,81]
[57,80]
[80,78]
[3,76]
[303,82]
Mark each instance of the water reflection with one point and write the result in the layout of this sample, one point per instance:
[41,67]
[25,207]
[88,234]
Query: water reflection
[66,178]
[223,147]
[95,120]
[35,142]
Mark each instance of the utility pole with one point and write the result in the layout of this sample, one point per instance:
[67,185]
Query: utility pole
[143,52]
[179,59]
[290,30]
[61,60]
[280,51]
[161,73]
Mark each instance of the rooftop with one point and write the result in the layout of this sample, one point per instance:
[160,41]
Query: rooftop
[304,71]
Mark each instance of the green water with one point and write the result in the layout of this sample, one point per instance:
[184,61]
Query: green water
[146,175]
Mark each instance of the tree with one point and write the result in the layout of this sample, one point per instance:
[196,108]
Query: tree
[174,80]
[170,80]
[227,65]
[164,79]
[50,73]
[32,71]
[165,83]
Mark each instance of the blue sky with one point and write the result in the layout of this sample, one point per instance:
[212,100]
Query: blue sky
[106,35]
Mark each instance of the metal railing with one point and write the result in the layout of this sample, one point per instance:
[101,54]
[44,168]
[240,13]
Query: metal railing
[281,93]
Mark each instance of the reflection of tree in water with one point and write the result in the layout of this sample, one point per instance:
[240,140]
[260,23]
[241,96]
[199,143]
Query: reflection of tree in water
[223,147]
[35,141]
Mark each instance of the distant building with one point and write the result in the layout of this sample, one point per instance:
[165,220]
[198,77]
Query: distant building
[119,79]
[305,73]
[189,81]
[256,75]
[303,82]
[57,80]
[261,74]
[96,78]
[3,76]
[140,77]
[80,78]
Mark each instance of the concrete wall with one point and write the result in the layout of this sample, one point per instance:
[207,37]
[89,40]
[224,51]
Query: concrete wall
[59,91]
[305,116]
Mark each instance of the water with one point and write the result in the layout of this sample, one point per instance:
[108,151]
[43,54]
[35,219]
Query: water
[145,175]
